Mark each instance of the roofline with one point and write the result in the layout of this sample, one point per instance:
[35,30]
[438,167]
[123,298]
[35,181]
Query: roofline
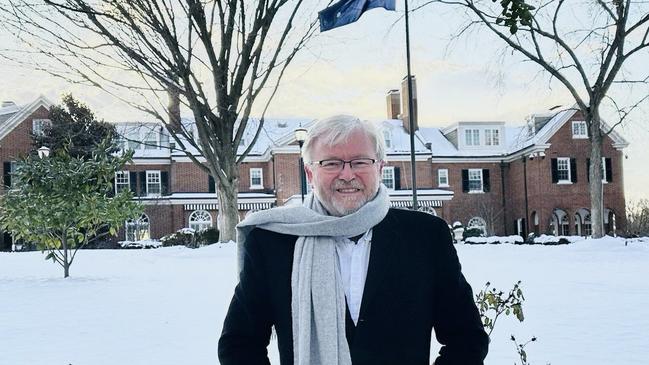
[20,116]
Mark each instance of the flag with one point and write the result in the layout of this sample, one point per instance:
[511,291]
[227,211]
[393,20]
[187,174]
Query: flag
[348,11]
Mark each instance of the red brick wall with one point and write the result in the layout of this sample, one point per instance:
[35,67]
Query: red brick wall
[287,176]
[544,196]
[464,206]
[18,142]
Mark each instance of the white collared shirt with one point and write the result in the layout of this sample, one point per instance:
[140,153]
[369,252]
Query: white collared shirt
[353,259]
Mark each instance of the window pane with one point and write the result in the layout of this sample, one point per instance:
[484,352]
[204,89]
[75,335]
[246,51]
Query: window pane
[442,177]
[563,169]
[153,182]
[388,177]
[475,180]
[122,181]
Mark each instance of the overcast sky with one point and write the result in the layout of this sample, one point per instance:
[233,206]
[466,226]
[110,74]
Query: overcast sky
[350,70]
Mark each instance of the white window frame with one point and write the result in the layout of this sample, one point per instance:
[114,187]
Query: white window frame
[442,173]
[38,126]
[472,137]
[581,128]
[476,172]
[197,220]
[150,182]
[387,136]
[135,229]
[604,171]
[388,175]
[565,160]
[492,137]
[151,139]
[254,171]
[123,180]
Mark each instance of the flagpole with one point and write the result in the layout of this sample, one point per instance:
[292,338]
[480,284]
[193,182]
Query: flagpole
[411,115]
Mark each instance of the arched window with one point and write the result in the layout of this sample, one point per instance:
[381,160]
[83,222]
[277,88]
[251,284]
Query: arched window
[138,229]
[477,222]
[565,225]
[429,210]
[588,228]
[200,220]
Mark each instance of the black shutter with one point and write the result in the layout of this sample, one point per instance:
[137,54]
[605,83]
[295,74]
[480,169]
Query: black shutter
[397,178]
[609,170]
[573,170]
[142,177]
[164,182]
[211,186]
[555,170]
[465,181]
[7,174]
[486,184]
[588,169]
[132,179]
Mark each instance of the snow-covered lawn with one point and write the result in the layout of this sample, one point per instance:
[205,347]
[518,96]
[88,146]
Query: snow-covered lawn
[588,303]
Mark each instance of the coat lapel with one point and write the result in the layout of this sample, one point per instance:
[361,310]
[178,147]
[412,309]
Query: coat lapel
[384,241]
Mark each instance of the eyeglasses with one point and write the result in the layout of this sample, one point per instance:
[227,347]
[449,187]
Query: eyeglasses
[336,165]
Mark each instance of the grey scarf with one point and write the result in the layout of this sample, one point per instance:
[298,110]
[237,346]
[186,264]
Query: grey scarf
[318,302]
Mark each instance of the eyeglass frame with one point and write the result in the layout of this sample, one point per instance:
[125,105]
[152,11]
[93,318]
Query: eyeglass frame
[345,162]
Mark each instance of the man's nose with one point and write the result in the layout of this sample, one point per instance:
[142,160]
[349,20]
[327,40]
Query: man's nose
[347,173]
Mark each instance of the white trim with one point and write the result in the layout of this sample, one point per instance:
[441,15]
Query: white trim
[473,191]
[21,115]
[439,174]
[159,193]
[572,129]
[128,180]
[559,179]
[383,177]
[261,177]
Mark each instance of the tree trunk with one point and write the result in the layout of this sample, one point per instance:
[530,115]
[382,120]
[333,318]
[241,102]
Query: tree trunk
[595,174]
[66,263]
[228,208]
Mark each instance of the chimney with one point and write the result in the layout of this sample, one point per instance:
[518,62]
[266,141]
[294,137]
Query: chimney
[404,102]
[7,103]
[394,106]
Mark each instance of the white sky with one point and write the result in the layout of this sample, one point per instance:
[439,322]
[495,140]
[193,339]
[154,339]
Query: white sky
[350,69]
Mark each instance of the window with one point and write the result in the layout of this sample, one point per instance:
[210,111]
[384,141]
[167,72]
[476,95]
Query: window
[388,177]
[133,137]
[256,178]
[153,183]
[472,137]
[492,137]
[40,125]
[137,230]
[388,139]
[150,140]
[579,130]
[122,181]
[479,223]
[475,180]
[442,177]
[563,169]
[164,138]
[200,220]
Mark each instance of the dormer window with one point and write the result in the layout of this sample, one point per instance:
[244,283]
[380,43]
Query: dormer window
[388,138]
[472,137]
[492,137]
[579,130]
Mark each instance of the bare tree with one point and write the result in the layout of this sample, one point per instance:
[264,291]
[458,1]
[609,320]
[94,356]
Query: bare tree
[582,44]
[215,58]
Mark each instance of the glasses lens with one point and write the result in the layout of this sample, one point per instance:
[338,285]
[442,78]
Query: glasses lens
[361,163]
[331,165]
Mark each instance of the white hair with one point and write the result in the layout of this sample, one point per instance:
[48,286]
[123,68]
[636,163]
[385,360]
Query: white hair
[338,129]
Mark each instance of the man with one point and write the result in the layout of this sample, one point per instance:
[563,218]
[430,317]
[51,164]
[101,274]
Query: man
[345,279]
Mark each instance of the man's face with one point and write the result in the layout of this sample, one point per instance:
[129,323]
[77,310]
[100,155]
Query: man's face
[345,191]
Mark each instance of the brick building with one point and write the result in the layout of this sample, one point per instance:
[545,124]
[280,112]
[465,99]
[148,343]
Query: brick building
[507,180]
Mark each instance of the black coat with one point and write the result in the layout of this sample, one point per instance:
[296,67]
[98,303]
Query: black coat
[413,285]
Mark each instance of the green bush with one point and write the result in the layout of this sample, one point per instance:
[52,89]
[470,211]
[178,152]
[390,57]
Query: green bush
[208,236]
[183,237]
[472,232]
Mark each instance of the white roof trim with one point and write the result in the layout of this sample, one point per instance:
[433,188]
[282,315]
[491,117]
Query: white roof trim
[20,116]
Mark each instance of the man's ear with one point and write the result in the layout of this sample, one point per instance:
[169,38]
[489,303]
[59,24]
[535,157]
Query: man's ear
[309,173]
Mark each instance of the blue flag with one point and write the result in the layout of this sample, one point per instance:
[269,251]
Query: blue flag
[348,11]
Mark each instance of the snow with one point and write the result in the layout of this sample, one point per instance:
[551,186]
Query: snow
[586,302]
[496,239]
